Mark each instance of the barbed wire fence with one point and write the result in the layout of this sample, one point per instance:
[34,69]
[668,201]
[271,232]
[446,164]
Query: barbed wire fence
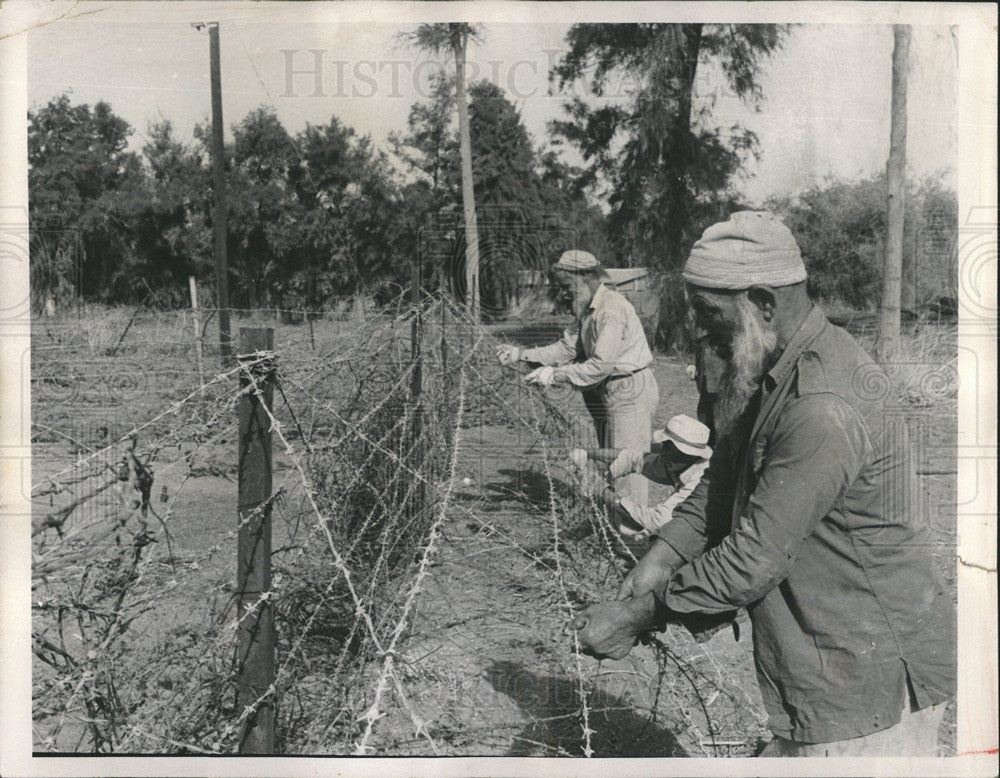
[135,617]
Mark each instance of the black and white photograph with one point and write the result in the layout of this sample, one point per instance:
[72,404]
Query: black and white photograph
[438,389]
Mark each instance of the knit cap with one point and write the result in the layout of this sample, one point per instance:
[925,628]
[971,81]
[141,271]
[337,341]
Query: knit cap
[753,248]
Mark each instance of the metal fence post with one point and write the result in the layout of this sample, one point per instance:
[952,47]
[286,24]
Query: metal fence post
[255,658]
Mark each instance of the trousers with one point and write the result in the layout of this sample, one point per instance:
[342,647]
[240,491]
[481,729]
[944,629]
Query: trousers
[622,410]
[915,735]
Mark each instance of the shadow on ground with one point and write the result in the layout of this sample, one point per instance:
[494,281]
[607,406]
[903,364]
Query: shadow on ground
[552,702]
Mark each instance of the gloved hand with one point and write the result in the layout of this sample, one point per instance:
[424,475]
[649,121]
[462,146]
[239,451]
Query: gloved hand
[508,354]
[628,461]
[578,457]
[543,376]
[692,372]
[592,483]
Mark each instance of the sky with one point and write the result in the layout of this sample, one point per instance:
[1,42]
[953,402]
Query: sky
[825,111]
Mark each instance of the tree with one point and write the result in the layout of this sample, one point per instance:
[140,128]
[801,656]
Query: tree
[529,204]
[509,201]
[260,202]
[840,230]
[430,150]
[889,324]
[78,167]
[841,227]
[430,145]
[455,36]
[667,168]
[351,239]
[564,196]
[168,214]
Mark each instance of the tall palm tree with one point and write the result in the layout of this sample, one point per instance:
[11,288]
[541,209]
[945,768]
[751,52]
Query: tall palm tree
[454,37]
[896,184]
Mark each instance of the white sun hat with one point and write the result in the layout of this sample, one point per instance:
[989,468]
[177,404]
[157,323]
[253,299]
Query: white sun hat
[689,435]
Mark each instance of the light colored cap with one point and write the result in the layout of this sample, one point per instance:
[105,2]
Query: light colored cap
[576,261]
[689,435]
[753,248]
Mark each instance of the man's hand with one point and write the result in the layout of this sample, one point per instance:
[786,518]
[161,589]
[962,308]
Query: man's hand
[603,455]
[652,573]
[628,461]
[508,354]
[611,629]
[627,524]
[544,376]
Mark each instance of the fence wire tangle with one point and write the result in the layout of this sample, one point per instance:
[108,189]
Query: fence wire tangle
[429,548]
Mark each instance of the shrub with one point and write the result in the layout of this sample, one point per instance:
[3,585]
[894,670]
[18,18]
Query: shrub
[841,228]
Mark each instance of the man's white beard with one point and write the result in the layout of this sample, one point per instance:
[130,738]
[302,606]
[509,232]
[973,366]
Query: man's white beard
[754,351]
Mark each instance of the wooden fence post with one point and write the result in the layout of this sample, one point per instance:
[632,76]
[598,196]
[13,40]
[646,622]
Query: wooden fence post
[255,658]
[199,356]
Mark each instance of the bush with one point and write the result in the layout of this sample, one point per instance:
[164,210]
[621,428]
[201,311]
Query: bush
[841,229]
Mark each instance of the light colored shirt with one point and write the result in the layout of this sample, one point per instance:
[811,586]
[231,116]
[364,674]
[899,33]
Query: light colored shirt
[607,341]
[653,518]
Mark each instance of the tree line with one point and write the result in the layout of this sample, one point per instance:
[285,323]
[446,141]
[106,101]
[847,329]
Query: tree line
[323,214]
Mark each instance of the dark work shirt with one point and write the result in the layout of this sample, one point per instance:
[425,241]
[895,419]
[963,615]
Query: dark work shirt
[806,517]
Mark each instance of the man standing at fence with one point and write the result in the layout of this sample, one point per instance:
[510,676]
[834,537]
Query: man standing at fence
[606,355]
[805,517]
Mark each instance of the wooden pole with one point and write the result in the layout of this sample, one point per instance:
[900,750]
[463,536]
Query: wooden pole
[253,562]
[460,42]
[220,214]
[889,329]
[196,318]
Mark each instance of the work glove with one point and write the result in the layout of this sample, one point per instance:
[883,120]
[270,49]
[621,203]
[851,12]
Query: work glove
[578,457]
[628,461]
[592,483]
[543,376]
[508,354]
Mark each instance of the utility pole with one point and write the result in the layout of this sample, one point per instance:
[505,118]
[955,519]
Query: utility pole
[889,329]
[219,214]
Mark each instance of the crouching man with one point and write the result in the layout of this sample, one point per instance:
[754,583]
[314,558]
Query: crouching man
[679,459]
[804,517]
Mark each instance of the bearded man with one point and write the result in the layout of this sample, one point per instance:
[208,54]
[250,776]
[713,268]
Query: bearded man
[604,354]
[805,517]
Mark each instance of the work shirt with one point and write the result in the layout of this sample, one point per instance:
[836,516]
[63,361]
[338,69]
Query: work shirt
[608,341]
[806,517]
